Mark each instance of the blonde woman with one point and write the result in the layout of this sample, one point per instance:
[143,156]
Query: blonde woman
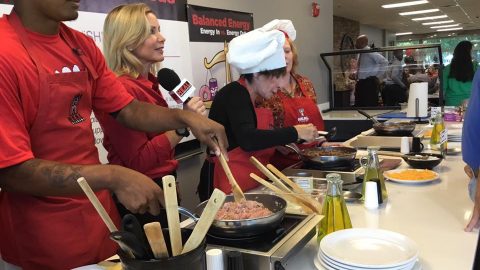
[133,47]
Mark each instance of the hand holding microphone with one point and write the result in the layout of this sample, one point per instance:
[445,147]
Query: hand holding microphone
[195,104]
[180,90]
[204,129]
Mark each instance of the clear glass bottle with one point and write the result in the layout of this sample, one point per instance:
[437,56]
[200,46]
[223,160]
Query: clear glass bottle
[372,170]
[438,139]
[334,210]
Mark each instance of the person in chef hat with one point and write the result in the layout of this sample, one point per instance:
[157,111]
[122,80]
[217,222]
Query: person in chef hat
[259,58]
[296,102]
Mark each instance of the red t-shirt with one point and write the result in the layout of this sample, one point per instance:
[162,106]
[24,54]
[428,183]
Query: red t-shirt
[148,153]
[49,232]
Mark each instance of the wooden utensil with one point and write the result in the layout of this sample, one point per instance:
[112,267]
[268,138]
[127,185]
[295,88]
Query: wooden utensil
[268,173]
[171,206]
[208,215]
[153,231]
[101,211]
[289,196]
[236,190]
[294,186]
[306,198]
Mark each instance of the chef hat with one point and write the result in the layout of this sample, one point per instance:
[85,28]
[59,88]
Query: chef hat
[285,26]
[257,50]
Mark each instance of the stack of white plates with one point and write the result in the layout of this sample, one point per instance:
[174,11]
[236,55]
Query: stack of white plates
[454,135]
[367,249]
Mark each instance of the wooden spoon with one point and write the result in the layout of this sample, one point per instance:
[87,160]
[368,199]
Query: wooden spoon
[171,206]
[206,219]
[236,190]
[153,231]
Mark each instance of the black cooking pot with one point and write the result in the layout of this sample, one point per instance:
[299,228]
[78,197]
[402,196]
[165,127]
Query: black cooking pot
[390,128]
[194,259]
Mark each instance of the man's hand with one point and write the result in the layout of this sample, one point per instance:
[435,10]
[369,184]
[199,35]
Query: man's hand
[475,219]
[137,192]
[210,133]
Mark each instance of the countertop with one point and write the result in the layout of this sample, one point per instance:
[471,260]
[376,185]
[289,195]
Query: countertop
[432,214]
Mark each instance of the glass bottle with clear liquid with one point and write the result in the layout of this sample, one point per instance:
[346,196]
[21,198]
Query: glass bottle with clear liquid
[438,140]
[334,210]
[372,169]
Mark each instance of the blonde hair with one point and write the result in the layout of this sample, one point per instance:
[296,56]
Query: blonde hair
[294,54]
[126,28]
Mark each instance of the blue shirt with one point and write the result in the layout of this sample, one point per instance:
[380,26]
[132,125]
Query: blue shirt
[471,127]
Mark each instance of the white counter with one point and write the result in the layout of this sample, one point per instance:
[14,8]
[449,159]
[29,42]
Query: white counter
[432,214]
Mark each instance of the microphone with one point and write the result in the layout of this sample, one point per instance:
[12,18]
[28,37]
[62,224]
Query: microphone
[179,90]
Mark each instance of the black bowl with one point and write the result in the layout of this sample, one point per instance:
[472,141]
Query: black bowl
[423,161]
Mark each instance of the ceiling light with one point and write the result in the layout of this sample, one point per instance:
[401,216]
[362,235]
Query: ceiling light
[429,18]
[439,22]
[449,29]
[405,4]
[403,34]
[419,12]
[445,26]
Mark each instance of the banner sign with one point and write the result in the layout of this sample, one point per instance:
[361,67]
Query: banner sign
[216,25]
[164,9]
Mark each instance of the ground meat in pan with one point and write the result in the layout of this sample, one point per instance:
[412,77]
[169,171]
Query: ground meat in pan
[245,209]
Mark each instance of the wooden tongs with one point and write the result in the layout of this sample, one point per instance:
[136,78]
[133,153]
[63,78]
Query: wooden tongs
[290,190]
[236,190]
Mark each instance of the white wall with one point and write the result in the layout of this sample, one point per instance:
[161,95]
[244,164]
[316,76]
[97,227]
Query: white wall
[314,35]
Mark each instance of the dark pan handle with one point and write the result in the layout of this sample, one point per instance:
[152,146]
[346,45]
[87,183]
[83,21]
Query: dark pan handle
[368,116]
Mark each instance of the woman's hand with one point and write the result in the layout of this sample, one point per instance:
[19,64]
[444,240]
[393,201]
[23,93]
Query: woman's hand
[195,104]
[307,132]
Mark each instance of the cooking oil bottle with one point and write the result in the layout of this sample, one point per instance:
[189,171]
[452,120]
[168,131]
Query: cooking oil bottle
[438,140]
[372,170]
[334,211]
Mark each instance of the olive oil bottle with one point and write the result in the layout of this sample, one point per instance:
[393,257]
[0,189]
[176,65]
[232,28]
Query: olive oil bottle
[372,170]
[334,211]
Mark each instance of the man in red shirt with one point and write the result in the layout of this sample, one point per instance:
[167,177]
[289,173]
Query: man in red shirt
[51,79]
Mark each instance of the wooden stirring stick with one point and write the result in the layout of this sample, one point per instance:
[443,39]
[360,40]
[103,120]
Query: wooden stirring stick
[294,186]
[236,190]
[289,196]
[171,206]
[102,212]
[208,215]
[153,231]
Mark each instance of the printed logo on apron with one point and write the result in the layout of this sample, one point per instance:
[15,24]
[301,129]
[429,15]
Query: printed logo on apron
[75,116]
[302,118]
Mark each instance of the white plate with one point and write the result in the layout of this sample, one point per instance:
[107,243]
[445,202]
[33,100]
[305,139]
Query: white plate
[332,263]
[320,265]
[410,181]
[369,248]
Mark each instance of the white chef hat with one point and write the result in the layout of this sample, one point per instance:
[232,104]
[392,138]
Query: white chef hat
[286,26]
[256,51]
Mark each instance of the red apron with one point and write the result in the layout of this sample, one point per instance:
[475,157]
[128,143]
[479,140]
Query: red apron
[239,160]
[58,232]
[298,111]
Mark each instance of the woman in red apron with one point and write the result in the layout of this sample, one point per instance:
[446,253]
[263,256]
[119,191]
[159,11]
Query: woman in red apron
[296,102]
[259,57]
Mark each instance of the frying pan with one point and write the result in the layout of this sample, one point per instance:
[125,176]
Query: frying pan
[245,228]
[390,128]
[329,156]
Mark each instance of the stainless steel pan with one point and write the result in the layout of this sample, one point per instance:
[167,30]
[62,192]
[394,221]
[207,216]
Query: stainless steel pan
[390,128]
[244,228]
[326,156]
